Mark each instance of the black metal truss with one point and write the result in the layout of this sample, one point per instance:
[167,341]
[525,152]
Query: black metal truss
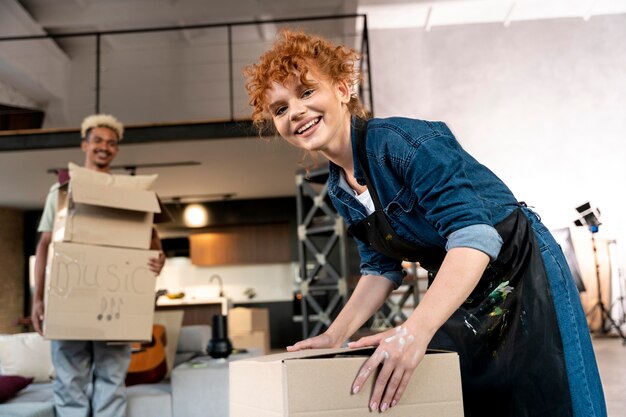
[322,253]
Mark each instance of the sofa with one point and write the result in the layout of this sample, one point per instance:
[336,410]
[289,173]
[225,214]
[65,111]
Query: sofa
[144,400]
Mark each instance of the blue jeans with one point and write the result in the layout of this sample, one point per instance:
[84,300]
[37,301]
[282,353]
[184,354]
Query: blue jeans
[582,371]
[90,378]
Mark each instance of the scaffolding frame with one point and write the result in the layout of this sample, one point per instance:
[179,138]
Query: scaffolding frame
[322,253]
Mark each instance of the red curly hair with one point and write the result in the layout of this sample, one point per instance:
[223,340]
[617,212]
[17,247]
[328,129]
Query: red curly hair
[299,52]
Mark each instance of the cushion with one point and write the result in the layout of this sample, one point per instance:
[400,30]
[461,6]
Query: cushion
[27,410]
[137,182]
[41,392]
[26,354]
[11,385]
[194,338]
[149,400]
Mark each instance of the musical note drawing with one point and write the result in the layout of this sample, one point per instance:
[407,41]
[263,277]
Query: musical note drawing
[103,307]
[110,316]
[113,306]
[120,301]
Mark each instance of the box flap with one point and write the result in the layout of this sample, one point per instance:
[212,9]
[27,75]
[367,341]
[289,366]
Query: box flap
[324,353]
[115,197]
[308,353]
[164,216]
[321,353]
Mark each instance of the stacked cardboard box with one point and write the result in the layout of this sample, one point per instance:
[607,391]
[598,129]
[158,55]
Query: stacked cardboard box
[317,383]
[98,285]
[249,328]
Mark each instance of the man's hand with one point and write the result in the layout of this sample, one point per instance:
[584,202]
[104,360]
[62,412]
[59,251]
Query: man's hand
[156,264]
[36,316]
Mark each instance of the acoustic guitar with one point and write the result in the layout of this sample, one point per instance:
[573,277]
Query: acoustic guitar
[148,364]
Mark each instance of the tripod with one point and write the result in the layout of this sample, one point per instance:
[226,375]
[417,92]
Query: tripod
[605,316]
[620,287]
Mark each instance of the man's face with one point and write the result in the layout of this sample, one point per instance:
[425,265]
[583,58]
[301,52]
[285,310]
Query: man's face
[100,148]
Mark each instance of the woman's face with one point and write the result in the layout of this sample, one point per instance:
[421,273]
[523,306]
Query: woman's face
[312,116]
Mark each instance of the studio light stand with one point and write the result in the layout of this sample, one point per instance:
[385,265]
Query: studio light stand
[618,287]
[591,218]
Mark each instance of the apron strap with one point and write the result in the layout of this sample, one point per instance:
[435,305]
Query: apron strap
[360,135]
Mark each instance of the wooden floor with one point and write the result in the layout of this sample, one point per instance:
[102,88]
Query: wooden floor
[611,357]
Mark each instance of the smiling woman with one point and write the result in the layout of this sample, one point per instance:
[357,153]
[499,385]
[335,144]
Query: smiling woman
[502,295]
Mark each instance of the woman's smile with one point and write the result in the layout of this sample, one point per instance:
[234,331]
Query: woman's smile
[308,127]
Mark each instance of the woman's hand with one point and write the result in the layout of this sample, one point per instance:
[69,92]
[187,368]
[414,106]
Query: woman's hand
[321,341]
[370,293]
[400,351]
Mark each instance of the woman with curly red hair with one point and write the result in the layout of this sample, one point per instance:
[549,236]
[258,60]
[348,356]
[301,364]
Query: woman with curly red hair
[500,292]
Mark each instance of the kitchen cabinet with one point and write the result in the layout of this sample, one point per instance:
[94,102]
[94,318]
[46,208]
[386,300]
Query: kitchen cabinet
[238,245]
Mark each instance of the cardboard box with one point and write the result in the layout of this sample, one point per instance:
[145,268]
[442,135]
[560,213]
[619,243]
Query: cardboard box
[243,320]
[258,339]
[98,214]
[317,383]
[98,293]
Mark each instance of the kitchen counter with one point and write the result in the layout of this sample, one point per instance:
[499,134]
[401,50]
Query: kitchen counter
[197,310]
[164,301]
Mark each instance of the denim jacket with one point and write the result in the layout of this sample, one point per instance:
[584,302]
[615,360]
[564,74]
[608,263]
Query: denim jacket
[433,192]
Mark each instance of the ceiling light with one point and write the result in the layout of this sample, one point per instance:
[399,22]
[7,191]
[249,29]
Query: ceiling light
[196,215]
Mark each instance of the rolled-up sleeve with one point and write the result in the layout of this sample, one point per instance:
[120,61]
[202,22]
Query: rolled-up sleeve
[482,237]
[395,277]
[375,263]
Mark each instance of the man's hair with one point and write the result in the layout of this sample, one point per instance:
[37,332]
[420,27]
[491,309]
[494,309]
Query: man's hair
[101,120]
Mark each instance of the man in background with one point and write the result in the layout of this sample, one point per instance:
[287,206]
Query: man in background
[81,363]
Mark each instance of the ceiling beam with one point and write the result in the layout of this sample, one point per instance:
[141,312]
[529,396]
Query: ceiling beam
[68,138]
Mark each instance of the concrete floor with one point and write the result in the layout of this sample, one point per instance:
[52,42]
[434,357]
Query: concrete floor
[611,357]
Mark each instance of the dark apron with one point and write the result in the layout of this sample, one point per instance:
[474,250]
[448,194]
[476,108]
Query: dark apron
[506,332]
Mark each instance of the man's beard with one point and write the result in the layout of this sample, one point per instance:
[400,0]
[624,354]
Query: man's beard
[102,165]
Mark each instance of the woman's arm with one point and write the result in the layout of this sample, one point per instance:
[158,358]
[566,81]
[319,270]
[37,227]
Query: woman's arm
[369,294]
[400,350]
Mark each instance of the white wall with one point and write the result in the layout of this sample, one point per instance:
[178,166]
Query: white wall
[271,282]
[541,103]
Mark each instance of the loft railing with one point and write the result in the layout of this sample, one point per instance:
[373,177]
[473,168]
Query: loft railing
[123,84]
